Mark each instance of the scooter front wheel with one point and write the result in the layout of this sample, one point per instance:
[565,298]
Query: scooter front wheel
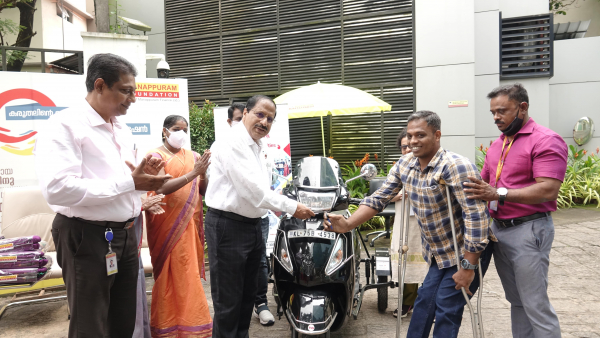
[295,334]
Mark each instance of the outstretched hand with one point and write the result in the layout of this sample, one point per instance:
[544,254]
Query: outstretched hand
[303,212]
[143,181]
[336,223]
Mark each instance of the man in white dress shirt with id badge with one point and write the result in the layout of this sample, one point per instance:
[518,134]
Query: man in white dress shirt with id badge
[237,196]
[84,159]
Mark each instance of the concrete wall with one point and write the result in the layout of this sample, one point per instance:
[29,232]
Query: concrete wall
[575,87]
[487,65]
[59,33]
[50,27]
[583,10]
[487,76]
[445,68]
[131,47]
[152,13]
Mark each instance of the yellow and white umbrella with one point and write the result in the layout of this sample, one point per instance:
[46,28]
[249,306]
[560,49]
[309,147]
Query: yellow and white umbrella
[322,99]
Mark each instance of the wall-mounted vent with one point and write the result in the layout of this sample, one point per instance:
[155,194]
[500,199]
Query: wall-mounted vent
[526,47]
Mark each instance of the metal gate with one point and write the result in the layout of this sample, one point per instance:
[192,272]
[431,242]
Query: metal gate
[232,49]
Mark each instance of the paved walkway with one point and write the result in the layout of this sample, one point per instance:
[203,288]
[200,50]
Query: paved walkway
[574,291]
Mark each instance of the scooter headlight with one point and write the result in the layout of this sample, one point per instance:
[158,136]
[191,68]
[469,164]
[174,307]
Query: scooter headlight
[317,201]
[284,256]
[337,257]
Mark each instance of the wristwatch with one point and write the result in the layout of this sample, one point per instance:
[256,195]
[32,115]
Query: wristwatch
[465,264]
[502,192]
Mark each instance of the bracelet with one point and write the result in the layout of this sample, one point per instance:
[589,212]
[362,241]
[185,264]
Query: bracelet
[202,179]
[188,181]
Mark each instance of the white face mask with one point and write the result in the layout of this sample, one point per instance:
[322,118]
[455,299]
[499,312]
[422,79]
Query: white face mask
[177,138]
[233,123]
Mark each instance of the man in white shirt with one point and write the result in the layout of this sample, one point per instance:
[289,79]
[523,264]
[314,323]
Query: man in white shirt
[237,196]
[83,163]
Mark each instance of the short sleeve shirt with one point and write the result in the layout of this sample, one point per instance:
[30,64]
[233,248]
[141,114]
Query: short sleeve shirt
[536,152]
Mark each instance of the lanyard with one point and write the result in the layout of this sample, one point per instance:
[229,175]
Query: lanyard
[502,159]
[108,234]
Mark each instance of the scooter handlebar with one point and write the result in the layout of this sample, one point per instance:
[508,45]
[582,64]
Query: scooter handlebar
[355,201]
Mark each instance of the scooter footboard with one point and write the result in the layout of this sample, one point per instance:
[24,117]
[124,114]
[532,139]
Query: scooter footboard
[311,313]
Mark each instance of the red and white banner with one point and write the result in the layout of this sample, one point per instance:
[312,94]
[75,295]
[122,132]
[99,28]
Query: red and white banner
[27,100]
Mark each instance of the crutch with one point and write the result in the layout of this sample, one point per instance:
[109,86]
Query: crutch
[403,252]
[476,318]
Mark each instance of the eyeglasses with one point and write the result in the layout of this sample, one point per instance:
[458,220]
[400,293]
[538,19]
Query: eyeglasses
[261,116]
[404,146]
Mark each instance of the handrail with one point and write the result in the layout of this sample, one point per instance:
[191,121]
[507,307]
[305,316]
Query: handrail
[43,52]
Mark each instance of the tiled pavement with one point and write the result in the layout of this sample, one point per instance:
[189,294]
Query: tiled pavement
[574,291]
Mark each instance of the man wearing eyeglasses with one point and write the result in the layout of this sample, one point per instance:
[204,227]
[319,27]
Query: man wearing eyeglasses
[237,196]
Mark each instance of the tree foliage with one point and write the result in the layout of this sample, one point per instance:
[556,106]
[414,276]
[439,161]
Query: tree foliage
[202,126]
[24,31]
[560,7]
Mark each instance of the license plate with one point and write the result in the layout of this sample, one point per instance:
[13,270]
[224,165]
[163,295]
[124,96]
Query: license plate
[311,233]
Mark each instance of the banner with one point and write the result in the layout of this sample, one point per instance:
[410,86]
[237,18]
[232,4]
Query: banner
[27,100]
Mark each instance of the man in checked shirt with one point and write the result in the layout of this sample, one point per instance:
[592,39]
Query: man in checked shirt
[422,175]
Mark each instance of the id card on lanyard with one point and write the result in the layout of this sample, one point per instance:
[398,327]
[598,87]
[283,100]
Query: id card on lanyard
[494,204]
[111,257]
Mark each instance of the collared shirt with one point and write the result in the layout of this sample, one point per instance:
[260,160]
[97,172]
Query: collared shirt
[536,152]
[239,178]
[80,165]
[428,199]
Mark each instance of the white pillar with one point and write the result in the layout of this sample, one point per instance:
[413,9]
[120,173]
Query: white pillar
[131,47]
[445,68]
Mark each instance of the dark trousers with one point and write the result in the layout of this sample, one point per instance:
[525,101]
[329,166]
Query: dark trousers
[101,305]
[263,269]
[234,251]
[438,299]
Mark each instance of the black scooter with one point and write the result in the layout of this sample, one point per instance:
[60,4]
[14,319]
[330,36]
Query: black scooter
[316,273]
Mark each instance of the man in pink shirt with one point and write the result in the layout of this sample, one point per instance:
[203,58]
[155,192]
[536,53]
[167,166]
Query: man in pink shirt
[522,174]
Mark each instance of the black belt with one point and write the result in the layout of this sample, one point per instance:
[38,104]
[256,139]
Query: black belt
[507,223]
[235,216]
[109,224]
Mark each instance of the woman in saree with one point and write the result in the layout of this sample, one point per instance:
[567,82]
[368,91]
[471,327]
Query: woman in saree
[176,239]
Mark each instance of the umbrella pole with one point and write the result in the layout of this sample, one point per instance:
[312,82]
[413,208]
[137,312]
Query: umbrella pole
[323,137]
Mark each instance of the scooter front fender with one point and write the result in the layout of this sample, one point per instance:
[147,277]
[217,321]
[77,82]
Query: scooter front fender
[311,312]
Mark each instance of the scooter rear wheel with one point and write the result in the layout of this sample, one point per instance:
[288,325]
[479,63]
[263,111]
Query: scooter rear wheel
[382,294]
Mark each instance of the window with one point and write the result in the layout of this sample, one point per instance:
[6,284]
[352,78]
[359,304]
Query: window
[64,12]
[526,47]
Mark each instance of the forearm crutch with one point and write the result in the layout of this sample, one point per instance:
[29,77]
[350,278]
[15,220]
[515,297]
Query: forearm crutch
[403,252]
[476,318]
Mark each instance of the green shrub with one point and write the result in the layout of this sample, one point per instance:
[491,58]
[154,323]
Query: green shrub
[372,224]
[202,126]
[358,188]
[581,185]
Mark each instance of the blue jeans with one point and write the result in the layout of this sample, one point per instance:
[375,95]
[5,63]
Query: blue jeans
[437,298]
[263,270]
